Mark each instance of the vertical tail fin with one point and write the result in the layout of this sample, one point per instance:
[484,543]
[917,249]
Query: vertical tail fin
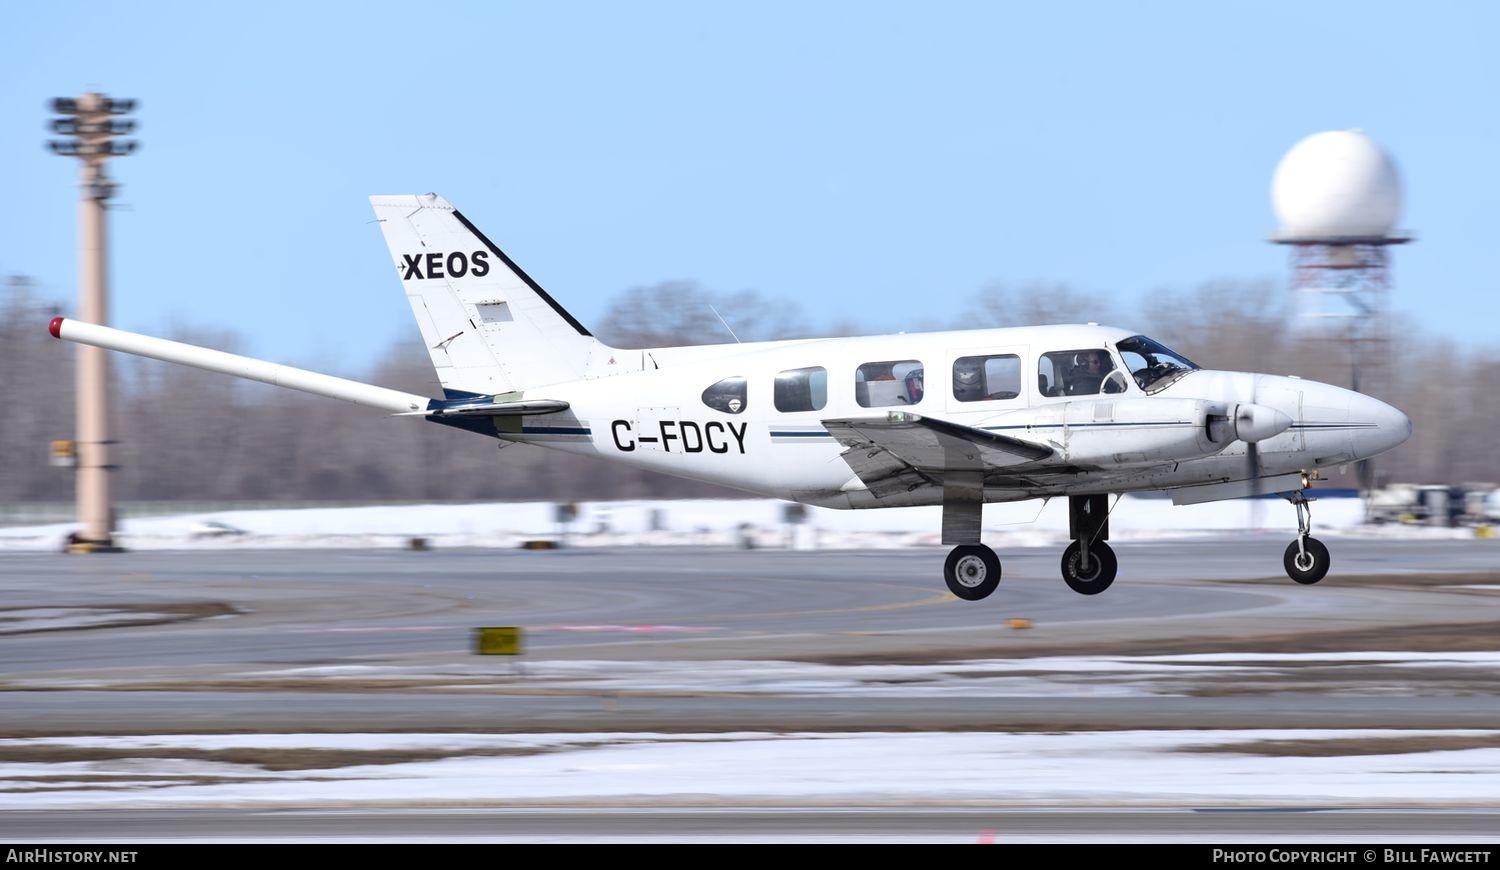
[487,326]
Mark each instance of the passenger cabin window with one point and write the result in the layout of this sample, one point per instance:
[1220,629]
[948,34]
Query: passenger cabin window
[1086,372]
[894,382]
[727,395]
[802,389]
[977,378]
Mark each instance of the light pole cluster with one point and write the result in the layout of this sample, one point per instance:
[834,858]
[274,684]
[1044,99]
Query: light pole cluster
[93,124]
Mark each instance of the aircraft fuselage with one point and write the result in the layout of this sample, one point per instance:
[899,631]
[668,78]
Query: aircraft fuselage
[652,414]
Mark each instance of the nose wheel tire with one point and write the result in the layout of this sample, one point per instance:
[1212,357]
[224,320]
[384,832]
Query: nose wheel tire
[972,571]
[1100,573]
[1306,567]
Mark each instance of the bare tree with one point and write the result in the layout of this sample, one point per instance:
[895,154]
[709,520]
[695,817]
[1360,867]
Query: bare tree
[36,391]
[1033,304]
[677,313]
[1222,324]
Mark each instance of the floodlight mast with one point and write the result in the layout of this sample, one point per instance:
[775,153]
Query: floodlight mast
[92,122]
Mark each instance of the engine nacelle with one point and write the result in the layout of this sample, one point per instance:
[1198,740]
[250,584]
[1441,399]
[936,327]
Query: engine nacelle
[1123,431]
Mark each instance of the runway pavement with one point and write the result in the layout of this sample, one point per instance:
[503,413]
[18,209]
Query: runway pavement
[333,641]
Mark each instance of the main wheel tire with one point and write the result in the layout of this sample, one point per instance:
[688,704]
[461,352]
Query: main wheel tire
[972,571]
[1102,568]
[1307,568]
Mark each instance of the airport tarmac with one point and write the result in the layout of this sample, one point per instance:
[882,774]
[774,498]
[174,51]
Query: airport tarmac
[180,618]
[667,641]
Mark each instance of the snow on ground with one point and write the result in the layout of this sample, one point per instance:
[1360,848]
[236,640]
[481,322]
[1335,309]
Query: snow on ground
[713,522]
[1332,767]
[1045,676]
[1100,768]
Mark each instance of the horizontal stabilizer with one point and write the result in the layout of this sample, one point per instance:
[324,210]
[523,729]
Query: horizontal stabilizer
[237,366]
[490,406]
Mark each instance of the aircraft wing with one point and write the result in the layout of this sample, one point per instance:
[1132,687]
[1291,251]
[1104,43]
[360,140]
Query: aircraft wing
[902,450]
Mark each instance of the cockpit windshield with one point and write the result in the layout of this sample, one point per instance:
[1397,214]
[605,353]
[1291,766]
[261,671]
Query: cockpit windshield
[1154,365]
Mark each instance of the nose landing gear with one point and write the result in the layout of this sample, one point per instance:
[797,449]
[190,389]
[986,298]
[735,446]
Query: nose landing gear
[1306,559]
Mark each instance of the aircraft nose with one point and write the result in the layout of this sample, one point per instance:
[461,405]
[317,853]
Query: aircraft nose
[1386,427]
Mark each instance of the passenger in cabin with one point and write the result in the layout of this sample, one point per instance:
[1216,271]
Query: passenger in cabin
[968,379]
[914,386]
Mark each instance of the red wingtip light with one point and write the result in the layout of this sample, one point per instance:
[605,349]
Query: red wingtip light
[55,327]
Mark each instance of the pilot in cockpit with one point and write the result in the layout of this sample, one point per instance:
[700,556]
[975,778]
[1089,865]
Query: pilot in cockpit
[1089,370]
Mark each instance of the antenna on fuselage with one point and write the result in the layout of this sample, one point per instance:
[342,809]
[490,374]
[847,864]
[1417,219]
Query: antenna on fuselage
[726,324]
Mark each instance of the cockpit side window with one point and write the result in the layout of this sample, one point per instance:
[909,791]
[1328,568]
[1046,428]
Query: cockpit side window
[978,378]
[727,395]
[1083,372]
[1154,365]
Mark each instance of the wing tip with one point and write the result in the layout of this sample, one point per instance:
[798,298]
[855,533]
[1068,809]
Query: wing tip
[55,327]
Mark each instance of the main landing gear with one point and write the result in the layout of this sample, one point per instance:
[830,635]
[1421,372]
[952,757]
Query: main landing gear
[1306,559]
[972,570]
[1088,564]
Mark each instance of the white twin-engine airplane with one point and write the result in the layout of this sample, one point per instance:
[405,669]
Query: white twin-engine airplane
[1011,414]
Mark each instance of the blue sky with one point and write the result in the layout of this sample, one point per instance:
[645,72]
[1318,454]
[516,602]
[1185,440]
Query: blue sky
[872,161]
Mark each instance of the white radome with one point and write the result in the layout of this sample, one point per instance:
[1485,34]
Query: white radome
[1336,184]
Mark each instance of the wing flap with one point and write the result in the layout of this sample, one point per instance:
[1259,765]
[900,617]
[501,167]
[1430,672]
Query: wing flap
[901,451]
